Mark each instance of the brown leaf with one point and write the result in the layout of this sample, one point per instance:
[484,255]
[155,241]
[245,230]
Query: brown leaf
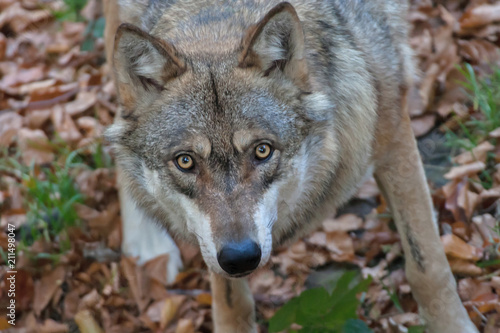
[83,102]
[64,125]
[25,290]
[19,18]
[422,125]
[136,280]
[478,153]
[204,298]
[169,310]
[454,95]
[34,146]
[37,118]
[156,268]
[89,301]
[467,200]
[71,300]
[46,287]
[184,326]
[3,46]
[51,326]
[478,50]
[154,311]
[10,124]
[470,288]
[22,76]
[4,324]
[483,303]
[427,85]
[464,170]
[346,222]
[340,245]
[495,133]
[464,267]
[455,247]
[481,15]
[86,322]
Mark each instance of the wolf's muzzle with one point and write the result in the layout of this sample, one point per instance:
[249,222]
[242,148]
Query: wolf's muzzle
[239,258]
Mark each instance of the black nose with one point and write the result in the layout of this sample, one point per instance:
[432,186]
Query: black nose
[239,258]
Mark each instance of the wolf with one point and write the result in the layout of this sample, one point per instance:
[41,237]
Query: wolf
[244,123]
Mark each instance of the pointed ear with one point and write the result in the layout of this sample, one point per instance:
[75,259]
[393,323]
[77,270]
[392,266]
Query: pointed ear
[276,43]
[143,64]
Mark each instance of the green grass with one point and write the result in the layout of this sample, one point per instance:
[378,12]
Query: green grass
[317,310]
[50,196]
[50,193]
[71,11]
[484,94]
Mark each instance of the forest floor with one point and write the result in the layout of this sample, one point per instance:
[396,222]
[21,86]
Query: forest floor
[58,190]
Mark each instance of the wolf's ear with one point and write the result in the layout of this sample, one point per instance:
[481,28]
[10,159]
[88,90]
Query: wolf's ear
[143,64]
[276,43]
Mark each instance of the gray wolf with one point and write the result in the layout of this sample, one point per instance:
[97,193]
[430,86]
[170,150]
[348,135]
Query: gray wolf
[244,123]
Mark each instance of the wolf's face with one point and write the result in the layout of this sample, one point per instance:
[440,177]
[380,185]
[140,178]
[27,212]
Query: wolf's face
[217,146]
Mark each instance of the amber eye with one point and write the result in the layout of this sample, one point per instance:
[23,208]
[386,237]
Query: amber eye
[263,151]
[185,162]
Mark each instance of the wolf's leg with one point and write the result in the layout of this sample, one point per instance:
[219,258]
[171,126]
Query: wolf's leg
[232,305]
[143,238]
[401,177]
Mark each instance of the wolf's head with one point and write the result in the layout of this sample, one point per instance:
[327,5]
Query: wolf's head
[221,145]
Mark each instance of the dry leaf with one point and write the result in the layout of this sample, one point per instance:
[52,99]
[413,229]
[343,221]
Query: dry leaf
[478,153]
[341,246]
[170,307]
[10,124]
[455,247]
[495,133]
[184,326]
[86,322]
[464,170]
[422,125]
[34,146]
[51,326]
[46,288]
[480,15]
[464,267]
[204,298]
[346,222]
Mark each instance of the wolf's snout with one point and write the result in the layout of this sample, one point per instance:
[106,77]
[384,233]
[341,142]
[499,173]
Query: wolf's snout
[239,258]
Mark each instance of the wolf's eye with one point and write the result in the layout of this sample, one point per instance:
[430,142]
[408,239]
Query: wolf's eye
[184,162]
[263,151]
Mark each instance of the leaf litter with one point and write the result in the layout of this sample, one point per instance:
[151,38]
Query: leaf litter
[56,98]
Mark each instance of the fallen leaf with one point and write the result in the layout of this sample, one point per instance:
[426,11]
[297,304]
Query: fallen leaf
[46,287]
[495,133]
[10,124]
[455,247]
[346,222]
[86,322]
[34,146]
[422,125]
[184,326]
[204,298]
[51,326]
[464,267]
[480,15]
[170,307]
[478,153]
[464,170]
[340,245]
